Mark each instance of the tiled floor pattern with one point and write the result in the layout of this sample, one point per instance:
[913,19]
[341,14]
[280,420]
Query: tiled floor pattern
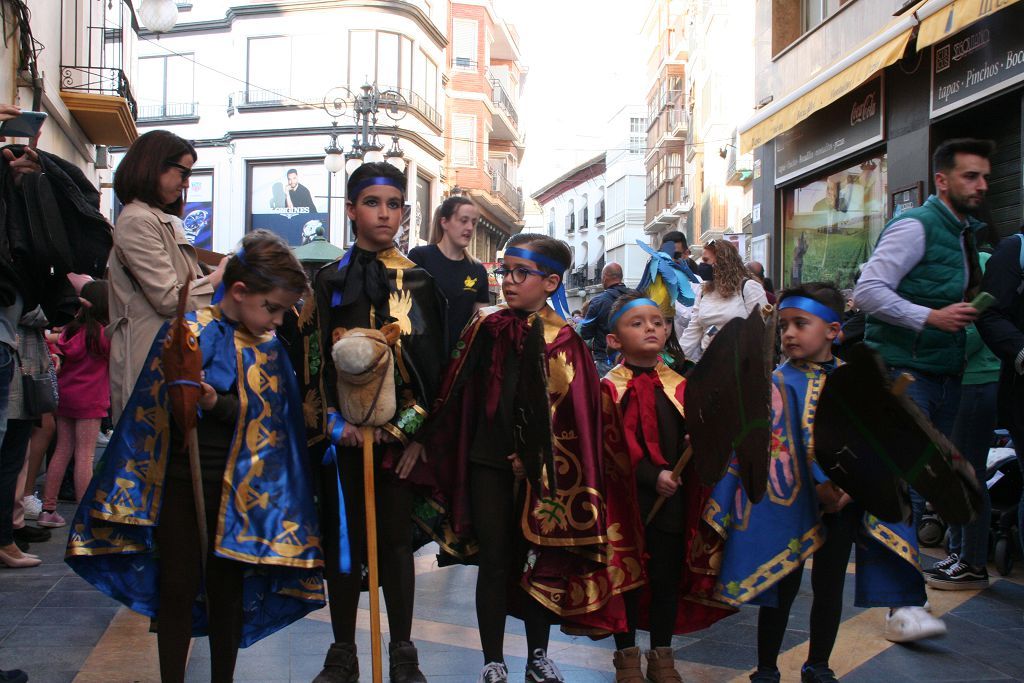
[60,630]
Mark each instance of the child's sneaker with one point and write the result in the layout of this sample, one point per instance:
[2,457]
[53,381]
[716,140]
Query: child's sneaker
[494,672]
[33,506]
[960,577]
[817,673]
[907,624]
[765,676]
[941,565]
[50,520]
[541,669]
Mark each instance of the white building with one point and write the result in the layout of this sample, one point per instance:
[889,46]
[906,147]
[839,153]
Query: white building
[597,208]
[248,84]
[82,78]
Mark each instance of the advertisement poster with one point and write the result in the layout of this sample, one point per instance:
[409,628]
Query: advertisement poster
[198,215]
[290,199]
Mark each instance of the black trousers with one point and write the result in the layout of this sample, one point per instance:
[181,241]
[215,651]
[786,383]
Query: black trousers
[12,458]
[177,537]
[828,576]
[666,555]
[394,545]
[502,550]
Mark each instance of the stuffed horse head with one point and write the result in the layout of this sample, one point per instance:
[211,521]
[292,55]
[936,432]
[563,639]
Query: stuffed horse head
[366,379]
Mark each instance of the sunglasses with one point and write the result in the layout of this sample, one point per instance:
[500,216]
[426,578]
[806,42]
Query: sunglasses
[186,172]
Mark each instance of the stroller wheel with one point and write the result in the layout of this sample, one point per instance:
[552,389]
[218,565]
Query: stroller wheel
[931,531]
[1003,556]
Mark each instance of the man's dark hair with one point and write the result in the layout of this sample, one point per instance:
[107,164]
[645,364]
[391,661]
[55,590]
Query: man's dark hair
[557,250]
[944,157]
[825,293]
[138,174]
[676,237]
[626,297]
[290,171]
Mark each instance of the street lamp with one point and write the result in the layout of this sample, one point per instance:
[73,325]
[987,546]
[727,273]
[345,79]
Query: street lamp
[159,16]
[366,107]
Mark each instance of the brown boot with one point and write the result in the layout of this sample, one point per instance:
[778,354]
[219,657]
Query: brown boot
[661,667]
[627,665]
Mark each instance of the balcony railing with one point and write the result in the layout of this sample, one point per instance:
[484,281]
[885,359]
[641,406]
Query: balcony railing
[97,80]
[503,101]
[185,110]
[500,186]
[577,279]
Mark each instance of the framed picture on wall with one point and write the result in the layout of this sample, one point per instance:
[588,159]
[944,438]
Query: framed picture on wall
[289,197]
[198,215]
[905,199]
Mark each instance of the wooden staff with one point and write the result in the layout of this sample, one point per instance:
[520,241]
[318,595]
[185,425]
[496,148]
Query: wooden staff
[676,471]
[197,493]
[370,499]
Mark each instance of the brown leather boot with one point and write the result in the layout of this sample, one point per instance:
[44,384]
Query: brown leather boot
[661,667]
[627,665]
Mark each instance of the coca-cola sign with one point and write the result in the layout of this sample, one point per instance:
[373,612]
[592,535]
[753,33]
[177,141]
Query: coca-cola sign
[848,125]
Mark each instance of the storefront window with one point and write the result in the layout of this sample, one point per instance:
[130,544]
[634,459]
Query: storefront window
[831,224]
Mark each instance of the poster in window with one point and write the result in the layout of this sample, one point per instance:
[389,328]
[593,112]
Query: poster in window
[290,198]
[831,224]
[198,214]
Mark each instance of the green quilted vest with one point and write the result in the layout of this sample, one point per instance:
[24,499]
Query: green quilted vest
[936,281]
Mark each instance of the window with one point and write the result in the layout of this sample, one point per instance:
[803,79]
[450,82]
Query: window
[464,45]
[268,76]
[637,134]
[464,140]
[362,62]
[165,87]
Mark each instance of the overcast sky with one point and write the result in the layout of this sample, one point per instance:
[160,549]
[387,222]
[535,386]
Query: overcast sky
[586,61]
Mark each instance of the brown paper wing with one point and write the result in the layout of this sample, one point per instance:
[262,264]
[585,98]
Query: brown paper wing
[872,443]
[728,403]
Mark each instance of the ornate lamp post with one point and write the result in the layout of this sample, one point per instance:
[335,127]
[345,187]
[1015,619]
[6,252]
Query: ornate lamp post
[366,108]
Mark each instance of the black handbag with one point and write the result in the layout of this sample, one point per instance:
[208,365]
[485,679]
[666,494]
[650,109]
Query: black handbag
[37,394]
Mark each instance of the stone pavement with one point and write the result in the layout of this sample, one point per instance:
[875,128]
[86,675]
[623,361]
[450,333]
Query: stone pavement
[60,630]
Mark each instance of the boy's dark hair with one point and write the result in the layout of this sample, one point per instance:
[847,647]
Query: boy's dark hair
[678,238]
[825,293]
[264,263]
[556,250]
[626,297]
[92,317]
[944,157]
[290,171]
[138,174]
[373,170]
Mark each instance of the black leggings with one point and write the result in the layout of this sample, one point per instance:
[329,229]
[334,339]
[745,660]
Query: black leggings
[180,576]
[493,510]
[828,575]
[666,554]
[394,545]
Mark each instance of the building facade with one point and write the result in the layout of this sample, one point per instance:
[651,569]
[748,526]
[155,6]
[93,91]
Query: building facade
[258,86]
[485,145]
[80,70]
[838,155]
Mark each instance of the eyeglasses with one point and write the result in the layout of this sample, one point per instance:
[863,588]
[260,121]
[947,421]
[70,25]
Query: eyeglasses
[186,172]
[518,274]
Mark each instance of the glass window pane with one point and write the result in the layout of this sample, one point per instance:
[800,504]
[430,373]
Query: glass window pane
[430,84]
[269,69]
[406,75]
[180,83]
[361,61]
[387,60]
[149,90]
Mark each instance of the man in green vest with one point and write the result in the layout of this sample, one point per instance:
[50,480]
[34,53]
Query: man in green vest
[914,290]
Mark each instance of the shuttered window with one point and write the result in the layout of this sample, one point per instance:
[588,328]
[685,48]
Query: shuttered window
[464,142]
[464,45]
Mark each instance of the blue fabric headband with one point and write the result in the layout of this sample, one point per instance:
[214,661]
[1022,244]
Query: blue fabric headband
[376,180]
[558,299]
[810,306]
[218,294]
[632,304]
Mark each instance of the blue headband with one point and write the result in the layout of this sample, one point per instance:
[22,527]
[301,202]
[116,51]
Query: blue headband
[558,299]
[218,294]
[810,306]
[632,304]
[376,180]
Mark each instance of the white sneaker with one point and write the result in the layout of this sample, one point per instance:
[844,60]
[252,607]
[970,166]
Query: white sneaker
[103,439]
[33,506]
[908,624]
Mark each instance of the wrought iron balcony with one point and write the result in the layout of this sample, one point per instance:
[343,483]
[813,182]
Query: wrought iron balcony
[577,279]
[506,190]
[155,112]
[503,101]
[96,80]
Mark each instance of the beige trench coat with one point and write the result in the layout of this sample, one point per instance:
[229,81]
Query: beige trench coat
[149,264]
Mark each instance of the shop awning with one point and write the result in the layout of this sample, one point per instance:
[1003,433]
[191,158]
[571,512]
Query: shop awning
[873,55]
[940,20]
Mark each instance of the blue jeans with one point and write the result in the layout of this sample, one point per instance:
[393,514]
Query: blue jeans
[938,397]
[972,435]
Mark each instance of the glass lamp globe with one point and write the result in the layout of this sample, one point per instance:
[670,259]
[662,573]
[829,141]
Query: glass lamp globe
[334,161]
[159,16]
[352,164]
[374,156]
[397,162]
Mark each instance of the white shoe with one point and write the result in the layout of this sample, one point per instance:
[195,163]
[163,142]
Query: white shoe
[33,506]
[103,439]
[908,624]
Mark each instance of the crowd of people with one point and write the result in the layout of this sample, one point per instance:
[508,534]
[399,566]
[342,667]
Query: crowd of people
[549,450]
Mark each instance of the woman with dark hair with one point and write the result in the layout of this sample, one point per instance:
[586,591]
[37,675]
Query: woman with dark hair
[152,259]
[730,292]
[460,277]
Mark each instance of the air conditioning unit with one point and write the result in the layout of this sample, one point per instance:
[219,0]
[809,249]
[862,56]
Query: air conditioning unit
[102,157]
